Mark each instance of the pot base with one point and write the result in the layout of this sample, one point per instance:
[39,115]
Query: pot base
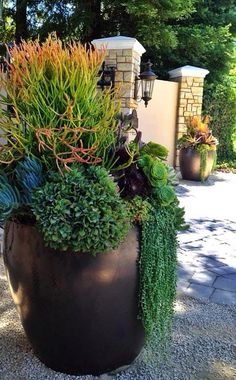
[79,312]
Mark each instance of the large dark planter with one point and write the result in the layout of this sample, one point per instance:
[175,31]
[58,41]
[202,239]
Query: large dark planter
[79,312]
[190,164]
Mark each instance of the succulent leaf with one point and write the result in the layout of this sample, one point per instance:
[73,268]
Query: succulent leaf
[156,150]
[29,176]
[10,198]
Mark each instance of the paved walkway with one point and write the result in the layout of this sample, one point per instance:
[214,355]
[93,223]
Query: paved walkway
[207,252]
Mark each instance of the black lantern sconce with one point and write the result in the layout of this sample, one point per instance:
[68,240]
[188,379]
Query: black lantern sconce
[107,76]
[147,79]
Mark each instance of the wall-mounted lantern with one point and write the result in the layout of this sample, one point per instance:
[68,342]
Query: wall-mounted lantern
[147,79]
[107,76]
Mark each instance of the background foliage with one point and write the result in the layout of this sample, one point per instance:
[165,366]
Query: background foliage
[175,33]
[198,32]
[220,103]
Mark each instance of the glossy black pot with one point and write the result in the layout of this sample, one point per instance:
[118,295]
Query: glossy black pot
[190,164]
[79,312]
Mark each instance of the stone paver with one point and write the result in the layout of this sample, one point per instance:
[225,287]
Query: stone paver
[184,273]
[182,286]
[231,276]
[207,252]
[225,270]
[223,297]
[206,278]
[225,284]
[199,291]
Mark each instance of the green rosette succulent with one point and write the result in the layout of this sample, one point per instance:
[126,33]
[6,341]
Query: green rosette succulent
[154,169]
[155,150]
[166,195]
[158,172]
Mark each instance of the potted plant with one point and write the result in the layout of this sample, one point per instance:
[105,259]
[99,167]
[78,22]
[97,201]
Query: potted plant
[197,150]
[90,219]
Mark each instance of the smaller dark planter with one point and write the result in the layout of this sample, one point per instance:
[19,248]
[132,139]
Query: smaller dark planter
[190,164]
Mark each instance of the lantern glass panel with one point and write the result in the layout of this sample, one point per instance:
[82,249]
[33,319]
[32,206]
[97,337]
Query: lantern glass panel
[147,88]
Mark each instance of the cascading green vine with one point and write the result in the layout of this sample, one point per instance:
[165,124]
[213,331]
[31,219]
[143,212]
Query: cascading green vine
[203,150]
[157,271]
[203,160]
[215,161]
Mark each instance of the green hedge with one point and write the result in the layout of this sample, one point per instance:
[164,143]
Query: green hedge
[220,104]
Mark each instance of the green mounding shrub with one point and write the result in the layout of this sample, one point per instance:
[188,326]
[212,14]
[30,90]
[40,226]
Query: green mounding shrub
[81,211]
[156,150]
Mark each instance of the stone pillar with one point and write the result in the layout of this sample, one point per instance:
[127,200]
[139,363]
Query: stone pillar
[191,83]
[124,53]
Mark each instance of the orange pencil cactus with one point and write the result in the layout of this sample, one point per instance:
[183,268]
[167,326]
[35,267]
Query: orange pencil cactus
[198,124]
[52,89]
[198,132]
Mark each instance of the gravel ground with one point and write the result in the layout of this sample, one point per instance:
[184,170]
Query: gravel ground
[203,348]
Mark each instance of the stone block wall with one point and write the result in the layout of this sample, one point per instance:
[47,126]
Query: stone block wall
[190,100]
[127,64]
[191,83]
[123,53]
